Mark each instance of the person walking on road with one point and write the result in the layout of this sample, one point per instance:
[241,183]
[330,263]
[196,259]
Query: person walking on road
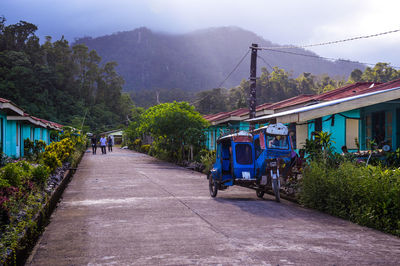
[103,142]
[94,144]
[110,143]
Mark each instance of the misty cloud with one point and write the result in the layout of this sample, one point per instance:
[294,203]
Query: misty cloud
[283,22]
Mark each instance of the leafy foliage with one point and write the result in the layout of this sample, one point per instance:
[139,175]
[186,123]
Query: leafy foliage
[58,82]
[207,158]
[369,196]
[23,193]
[174,127]
[33,149]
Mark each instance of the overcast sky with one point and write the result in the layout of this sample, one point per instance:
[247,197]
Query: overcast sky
[283,22]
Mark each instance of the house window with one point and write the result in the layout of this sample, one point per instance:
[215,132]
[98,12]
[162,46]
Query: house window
[388,128]
[212,140]
[1,134]
[351,133]
[397,129]
[17,134]
[379,129]
[301,135]
[318,124]
[368,128]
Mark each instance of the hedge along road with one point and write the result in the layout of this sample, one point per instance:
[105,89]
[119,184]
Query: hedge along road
[128,208]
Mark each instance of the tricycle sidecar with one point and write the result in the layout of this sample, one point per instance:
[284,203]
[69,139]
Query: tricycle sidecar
[234,162]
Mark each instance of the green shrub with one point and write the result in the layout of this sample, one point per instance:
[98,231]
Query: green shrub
[13,174]
[3,183]
[158,151]
[369,196]
[27,167]
[51,160]
[207,158]
[40,174]
[137,144]
[145,148]
[28,148]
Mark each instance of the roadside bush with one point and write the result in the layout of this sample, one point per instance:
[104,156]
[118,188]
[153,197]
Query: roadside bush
[157,150]
[145,148]
[369,196]
[40,174]
[51,160]
[137,144]
[13,174]
[207,158]
[4,159]
[3,183]
[58,152]
[33,149]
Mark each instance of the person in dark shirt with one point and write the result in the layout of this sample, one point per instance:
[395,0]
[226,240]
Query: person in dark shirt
[93,140]
[110,143]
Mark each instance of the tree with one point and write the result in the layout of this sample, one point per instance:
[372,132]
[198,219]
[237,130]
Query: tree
[58,82]
[174,126]
[212,101]
[381,72]
[355,76]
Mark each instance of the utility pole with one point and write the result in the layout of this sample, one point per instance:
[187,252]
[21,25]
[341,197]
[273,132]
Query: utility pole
[253,78]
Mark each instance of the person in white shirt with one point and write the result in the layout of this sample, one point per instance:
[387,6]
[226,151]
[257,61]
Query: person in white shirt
[103,143]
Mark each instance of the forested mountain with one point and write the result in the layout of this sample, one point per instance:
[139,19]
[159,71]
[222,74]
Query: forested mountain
[56,81]
[199,60]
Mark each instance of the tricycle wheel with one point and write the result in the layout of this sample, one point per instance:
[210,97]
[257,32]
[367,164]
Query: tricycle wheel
[212,186]
[260,193]
[275,186]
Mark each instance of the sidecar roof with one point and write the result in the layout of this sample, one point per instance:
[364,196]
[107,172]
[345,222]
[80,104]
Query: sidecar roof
[241,136]
[275,129]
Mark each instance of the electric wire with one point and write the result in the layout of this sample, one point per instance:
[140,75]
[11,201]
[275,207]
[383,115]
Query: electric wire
[331,42]
[259,56]
[324,58]
[227,77]
[237,65]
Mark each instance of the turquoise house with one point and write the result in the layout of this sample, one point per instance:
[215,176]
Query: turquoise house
[16,126]
[225,123]
[354,121]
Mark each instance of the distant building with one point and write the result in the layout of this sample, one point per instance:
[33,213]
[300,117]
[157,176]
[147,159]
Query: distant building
[116,135]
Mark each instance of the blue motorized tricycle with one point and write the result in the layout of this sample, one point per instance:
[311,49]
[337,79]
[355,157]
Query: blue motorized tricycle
[253,160]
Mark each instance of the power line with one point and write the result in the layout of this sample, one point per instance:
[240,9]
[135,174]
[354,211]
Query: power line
[321,57]
[219,86]
[331,42]
[237,65]
[259,56]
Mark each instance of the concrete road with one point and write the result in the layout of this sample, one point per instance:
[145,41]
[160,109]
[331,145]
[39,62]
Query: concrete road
[126,208]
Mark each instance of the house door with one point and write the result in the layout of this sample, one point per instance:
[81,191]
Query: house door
[18,141]
[378,128]
[1,135]
[397,126]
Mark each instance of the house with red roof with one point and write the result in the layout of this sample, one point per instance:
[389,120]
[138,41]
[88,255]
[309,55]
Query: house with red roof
[355,115]
[16,126]
[368,112]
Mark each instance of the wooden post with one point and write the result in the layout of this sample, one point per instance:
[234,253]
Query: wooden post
[253,78]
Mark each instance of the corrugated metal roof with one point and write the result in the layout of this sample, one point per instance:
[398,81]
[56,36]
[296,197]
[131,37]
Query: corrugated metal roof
[325,104]
[2,100]
[340,93]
